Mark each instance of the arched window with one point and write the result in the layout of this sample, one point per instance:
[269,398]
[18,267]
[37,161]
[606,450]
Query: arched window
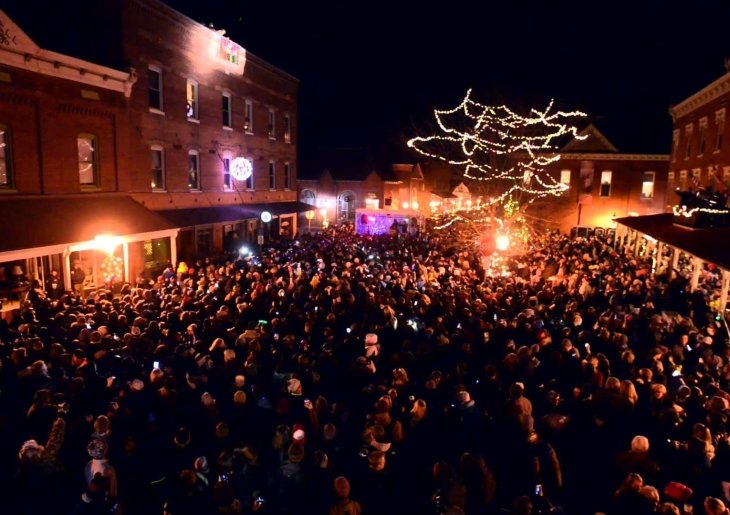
[308,197]
[346,202]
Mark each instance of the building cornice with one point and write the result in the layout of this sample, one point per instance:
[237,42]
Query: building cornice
[615,157]
[707,94]
[19,51]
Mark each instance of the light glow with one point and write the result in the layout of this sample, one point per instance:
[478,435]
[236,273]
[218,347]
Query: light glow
[502,242]
[241,168]
[107,242]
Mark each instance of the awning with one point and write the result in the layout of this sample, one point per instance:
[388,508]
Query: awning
[707,244]
[39,226]
[229,214]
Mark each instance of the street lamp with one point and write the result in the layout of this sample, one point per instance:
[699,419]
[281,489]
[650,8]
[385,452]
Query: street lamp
[309,215]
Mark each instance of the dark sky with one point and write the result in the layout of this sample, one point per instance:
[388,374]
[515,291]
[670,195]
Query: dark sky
[372,72]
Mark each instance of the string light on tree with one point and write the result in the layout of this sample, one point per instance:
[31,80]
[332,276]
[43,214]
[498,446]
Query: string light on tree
[495,143]
[112,268]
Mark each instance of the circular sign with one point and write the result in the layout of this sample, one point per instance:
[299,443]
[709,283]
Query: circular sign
[265,216]
[241,168]
[309,215]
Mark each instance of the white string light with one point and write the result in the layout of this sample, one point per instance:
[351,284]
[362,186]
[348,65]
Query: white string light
[688,213]
[526,145]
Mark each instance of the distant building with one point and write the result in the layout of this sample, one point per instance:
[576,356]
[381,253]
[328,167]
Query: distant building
[700,160]
[158,133]
[606,183]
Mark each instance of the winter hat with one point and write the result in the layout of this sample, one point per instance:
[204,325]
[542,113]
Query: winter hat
[201,464]
[342,487]
[97,449]
[677,492]
[30,452]
[294,386]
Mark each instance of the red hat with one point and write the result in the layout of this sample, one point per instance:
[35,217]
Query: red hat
[677,492]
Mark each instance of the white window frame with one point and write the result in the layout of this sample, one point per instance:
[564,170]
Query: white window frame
[6,158]
[605,174]
[565,176]
[653,184]
[199,185]
[161,150]
[94,160]
[683,177]
[248,119]
[249,182]
[227,124]
[701,147]
[272,175]
[670,178]
[720,134]
[227,183]
[195,115]
[287,176]
[287,128]
[272,124]
[158,71]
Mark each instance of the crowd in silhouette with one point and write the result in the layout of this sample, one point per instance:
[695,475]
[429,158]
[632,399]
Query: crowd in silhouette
[343,374]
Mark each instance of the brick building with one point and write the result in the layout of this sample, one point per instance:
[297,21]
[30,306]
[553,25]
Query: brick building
[606,183]
[172,146]
[700,150]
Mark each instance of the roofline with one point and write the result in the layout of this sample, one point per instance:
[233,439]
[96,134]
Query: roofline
[707,94]
[616,157]
[62,66]
[180,17]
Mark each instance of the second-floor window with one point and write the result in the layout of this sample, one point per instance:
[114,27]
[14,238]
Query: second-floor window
[249,181]
[193,170]
[647,185]
[227,183]
[158,168]
[226,110]
[670,178]
[272,175]
[703,136]
[287,176]
[191,100]
[6,161]
[565,177]
[606,177]
[248,122]
[688,143]
[720,123]
[287,128]
[675,144]
[272,124]
[155,87]
[88,166]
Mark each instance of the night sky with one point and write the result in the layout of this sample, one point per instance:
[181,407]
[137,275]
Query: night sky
[372,72]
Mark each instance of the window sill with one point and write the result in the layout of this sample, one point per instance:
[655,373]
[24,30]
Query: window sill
[647,198]
[272,139]
[158,190]
[227,128]
[154,110]
[90,188]
[287,141]
[194,120]
[250,133]
[8,191]
[195,191]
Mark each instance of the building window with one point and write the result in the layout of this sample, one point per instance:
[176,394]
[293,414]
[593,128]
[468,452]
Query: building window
[670,178]
[88,166]
[720,123]
[287,176]
[696,177]
[158,168]
[155,87]
[308,197]
[726,175]
[683,178]
[272,124]
[248,123]
[688,143]
[227,183]
[249,179]
[226,110]
[703,135]
[6,161]
[647,185]
[191,105]
[675,144]
[565,177]
[193,170]
[287,128]
[606,176]
[272,175]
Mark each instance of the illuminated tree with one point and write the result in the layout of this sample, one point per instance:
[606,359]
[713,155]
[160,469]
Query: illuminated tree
[507,151]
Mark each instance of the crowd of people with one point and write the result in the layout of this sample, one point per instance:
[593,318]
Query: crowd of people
[343,374]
